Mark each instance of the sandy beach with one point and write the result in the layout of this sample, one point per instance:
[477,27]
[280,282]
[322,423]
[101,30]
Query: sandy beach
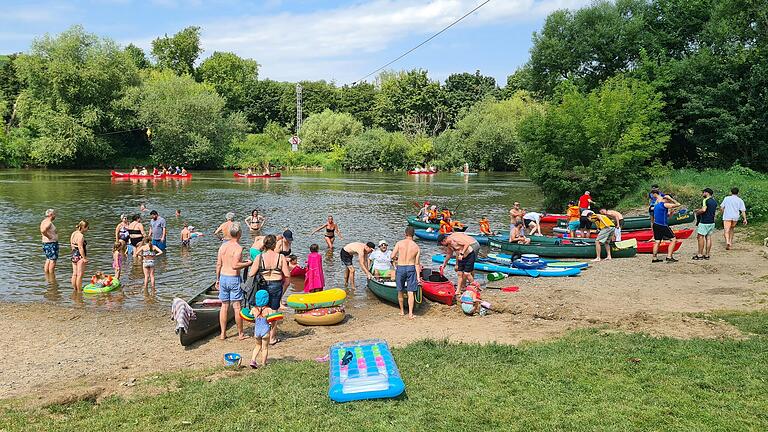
[56,354]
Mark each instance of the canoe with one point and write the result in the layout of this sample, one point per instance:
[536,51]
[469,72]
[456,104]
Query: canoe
[640,235]
[415,172]
[438,288]
[553,218]
[207,316]
[466,174]
[481,238]
[644,222]
[416,223]
[323,299]
[321,317]
[647,247]
[117,174]
[273,175]
[298,271]
[490,267]
[584,251]
[387,291]
[507,260]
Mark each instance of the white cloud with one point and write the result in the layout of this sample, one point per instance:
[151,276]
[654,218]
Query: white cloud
[291,45]
[34,13]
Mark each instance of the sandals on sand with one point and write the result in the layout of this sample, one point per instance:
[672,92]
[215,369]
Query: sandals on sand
[254,365]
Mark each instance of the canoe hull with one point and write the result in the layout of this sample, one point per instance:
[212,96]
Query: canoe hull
[388,292]
[207,317]
[487,266]
[121,175]
[639,235]
[585,251]
[644,222]
[275,175]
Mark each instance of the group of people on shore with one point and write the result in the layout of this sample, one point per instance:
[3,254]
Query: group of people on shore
[159,171]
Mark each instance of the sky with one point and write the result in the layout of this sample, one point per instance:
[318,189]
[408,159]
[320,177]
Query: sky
[292,40]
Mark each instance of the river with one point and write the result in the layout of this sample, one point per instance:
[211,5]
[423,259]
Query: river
[367,207]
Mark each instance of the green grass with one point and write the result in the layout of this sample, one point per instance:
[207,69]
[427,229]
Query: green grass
[588,380]
[755,322]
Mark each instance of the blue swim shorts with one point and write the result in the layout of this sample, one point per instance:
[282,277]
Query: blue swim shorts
[405,278]
[229,289]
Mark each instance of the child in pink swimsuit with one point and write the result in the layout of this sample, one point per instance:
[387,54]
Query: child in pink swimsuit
[314,280]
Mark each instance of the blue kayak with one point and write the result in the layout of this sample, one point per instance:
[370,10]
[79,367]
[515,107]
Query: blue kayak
[506,259]
[487,266]
[481,238]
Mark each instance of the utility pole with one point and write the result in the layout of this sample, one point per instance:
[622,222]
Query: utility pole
[298,108]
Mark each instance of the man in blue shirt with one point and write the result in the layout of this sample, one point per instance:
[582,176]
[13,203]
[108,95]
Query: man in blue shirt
[706,225]
[661,230]
[157,230]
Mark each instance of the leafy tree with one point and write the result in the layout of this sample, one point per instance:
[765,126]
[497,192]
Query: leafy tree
[359,100]
[187,119]
[270,101]
[318,96]
[328,130]
[410,102]
[487,136]
[377,149]
[461,91]
[66,106]
[138,56]
[178,52]
[604,141]
[230,75]
[10,87]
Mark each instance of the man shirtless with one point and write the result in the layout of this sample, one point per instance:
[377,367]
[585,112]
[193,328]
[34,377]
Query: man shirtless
[465,248]
[50,241]
[618,221]
[362,250]
[229,262]
[407,255]
[515,214]
[224,228]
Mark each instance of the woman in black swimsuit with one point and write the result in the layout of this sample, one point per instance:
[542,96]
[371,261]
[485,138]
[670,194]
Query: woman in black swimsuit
[136,233]
[79,254]
[331,230]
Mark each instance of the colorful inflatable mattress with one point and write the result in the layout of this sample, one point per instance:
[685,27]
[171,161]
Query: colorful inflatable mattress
[363,370]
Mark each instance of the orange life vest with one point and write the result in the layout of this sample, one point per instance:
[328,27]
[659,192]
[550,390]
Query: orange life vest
[432,214]
[445,227]
[573,213]
[446,214]
[485,226]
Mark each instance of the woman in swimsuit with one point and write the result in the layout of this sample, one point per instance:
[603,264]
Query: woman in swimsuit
[331,230]
[147,251]
[255,221]
[79,254]
[121,230]
[274,269]
[135,233]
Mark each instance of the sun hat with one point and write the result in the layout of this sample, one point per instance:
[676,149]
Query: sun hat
[383,242]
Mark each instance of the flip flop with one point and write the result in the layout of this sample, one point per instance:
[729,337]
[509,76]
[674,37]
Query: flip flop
[254,365]
[277,341]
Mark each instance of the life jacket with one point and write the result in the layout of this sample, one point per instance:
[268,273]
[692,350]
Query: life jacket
[445,227]
[446,214]
[572,213]
[432,214]
[457,224]
[485,226]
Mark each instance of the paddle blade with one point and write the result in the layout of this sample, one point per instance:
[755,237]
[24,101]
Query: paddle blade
[624,244]
[510,289]
[532,273]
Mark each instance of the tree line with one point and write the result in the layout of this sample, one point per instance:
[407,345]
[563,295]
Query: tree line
[610,93]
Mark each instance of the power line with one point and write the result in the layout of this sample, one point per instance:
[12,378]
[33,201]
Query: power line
[424,42]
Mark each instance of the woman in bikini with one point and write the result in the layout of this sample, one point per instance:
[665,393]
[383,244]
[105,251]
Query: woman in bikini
[135,233]
[274,269]
[331,231]
[79,254]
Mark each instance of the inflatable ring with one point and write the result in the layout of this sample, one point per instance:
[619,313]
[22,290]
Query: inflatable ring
[274,317]
[93,289]
[246,314]
[232,359]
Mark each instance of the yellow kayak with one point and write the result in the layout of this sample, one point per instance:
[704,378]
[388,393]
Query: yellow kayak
[322,299]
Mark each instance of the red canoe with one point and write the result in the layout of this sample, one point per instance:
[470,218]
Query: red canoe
[552,218]
[275,175]
[412,172]
[441,292]
[117,174]
[646,247]
[646,234]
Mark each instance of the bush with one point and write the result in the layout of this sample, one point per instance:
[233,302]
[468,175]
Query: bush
[377,149]
[328,130]
[257,149]
[604,141]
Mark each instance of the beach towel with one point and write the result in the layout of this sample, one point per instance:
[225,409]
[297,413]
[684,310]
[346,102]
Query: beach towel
[182,313]
[314,278]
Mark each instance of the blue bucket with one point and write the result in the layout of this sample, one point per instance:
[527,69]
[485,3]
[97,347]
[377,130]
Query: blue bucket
[232,359]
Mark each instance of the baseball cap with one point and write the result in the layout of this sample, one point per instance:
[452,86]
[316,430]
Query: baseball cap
[383,242]
[288,235]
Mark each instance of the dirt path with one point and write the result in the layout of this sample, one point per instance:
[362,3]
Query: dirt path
[56,354]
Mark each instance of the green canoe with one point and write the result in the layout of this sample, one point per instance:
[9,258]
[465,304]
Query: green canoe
[561,251]
[644,222]
[416,223]
[388,292]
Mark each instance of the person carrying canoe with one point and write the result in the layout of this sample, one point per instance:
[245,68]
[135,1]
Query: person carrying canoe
[407,258]
[605,236]
[362,250]
[517,233]
[661,231]
[573,215]
[465,248]
[485,227]
[618,221]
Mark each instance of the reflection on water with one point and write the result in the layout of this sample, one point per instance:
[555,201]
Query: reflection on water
[367,207]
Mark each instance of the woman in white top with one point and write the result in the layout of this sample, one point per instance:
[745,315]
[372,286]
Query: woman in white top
[732,206]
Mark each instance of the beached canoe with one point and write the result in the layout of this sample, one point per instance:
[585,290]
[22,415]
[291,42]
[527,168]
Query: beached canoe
[416,223]
[639,235]
[481,238]
[506,259]
[583,251]
[490,267]
[119,175]
[206,305]
[387,291]
[644,222]
[273,175]
[437,287]
[646,247]
[552,218]
[419,172]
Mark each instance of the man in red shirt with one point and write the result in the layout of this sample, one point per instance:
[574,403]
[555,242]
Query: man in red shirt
[585,201]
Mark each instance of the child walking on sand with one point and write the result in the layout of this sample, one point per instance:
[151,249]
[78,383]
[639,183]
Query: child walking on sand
[118,253]
[261,328]
[314,280]
[147,251]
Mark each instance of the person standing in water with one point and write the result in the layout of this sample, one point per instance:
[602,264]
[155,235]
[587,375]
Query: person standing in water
[273,266]
[79,254]
[362,250]
[229,262]
[135,233]
[331,231]
[407,256]
[224,228]
[157,230]
[255,222]
[50,240]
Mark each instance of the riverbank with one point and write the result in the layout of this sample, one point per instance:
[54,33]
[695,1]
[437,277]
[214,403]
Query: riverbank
[58,355]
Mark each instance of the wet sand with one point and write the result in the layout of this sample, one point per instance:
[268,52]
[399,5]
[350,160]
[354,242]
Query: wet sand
[56,354]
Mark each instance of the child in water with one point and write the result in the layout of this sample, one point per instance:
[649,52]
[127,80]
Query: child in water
[261,328]
[118,253]
[100,280]
[186,235]
[314,279]
[147,251]
[294,268]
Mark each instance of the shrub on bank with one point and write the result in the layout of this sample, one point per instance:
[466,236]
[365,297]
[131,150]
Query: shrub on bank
[377,149]
[273,147]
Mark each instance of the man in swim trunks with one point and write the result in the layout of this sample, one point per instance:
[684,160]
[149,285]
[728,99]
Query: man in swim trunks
[407,256]
[382,261]
[362,250]
[706,225]
[229,262]
[618,221]
[465,248]
[50,240]
[157,230]
[515,214]
[224,227]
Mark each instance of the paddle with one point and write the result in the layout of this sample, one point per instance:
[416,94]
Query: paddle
[625,244]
